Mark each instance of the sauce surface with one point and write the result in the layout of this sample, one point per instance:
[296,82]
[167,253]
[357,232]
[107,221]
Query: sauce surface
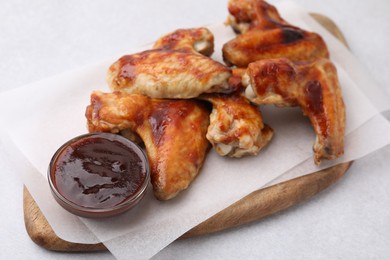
[97,172]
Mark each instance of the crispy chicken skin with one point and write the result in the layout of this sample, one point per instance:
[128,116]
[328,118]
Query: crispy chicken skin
[247,14]
[236,127]
[173,131]
[176,68]
[264,35]
[313,86]
[198,41]
[235,81]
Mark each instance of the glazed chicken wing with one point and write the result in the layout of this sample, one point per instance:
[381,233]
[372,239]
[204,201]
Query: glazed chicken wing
[175,68]
[264,35]
[173,131]
[236,127]
[313,86]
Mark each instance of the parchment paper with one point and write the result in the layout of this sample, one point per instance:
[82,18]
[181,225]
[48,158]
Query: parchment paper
[38,118]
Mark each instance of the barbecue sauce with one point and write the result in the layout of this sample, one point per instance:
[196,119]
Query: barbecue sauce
[98,172]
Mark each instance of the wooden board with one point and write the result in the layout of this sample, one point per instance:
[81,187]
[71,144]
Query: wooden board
[255,206]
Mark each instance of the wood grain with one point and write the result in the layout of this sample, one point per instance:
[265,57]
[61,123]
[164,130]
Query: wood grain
[253,207]
[265,202]
[42,233]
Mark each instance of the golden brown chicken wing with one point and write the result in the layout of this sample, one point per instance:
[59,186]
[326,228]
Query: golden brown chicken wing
[236,127]
[313,86]
[173,131]
[176,68]
[264,35]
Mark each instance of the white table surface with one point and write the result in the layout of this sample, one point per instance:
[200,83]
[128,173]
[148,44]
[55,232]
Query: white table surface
[42,38]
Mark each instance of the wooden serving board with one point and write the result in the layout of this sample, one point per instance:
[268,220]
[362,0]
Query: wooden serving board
[254,206]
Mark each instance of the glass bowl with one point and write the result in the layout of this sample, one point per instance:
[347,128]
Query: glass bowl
[98,175]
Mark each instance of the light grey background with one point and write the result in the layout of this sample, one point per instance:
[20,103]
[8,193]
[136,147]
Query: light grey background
[42,38]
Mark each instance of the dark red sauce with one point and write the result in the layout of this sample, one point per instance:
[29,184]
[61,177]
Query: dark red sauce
[98,172]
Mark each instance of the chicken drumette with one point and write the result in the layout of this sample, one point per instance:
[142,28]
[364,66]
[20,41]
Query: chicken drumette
[313,86]
[173,131]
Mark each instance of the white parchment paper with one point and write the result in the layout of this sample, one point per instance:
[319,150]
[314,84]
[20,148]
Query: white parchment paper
[38,118]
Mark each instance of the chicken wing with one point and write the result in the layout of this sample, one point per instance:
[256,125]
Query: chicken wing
[236,127]
[167,127]
[175,68]
[264,35]
[313,86]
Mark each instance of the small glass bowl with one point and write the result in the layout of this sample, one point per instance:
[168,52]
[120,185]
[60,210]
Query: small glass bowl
[96,212]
